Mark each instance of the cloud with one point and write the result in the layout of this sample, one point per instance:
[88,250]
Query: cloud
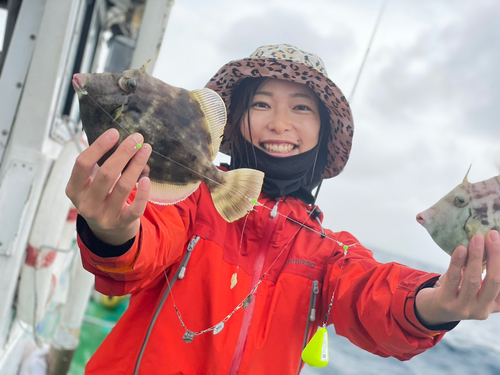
[278,26]
[203,36]
[452,71]
[429,77]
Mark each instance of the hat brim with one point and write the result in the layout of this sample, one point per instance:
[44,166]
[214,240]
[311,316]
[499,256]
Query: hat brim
[342,127]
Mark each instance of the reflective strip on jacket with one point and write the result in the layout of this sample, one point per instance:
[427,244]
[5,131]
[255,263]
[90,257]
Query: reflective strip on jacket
[373,305]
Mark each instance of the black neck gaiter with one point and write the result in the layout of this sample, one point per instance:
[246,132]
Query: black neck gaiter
[294,176]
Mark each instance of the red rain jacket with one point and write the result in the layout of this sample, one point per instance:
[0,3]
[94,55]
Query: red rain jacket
[373,305]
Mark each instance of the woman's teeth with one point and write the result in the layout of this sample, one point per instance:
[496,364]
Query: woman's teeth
[282,149]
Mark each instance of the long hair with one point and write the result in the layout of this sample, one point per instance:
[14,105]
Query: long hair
[241,101]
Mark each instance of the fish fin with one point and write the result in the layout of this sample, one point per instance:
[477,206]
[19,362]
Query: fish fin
[467,175]
[119,112]
[143,68]
[214,109]
[154,57]
[164,193]
[235,198]
[472,227]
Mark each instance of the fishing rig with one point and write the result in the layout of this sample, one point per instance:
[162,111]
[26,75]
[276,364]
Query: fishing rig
[45,43]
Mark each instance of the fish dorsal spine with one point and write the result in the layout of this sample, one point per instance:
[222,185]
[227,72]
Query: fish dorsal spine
[466,181]
[214,109]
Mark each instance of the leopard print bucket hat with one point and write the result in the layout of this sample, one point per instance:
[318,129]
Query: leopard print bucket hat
[284,61]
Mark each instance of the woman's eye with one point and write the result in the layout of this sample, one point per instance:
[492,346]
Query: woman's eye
[127,84]
[260,105]
[303,108]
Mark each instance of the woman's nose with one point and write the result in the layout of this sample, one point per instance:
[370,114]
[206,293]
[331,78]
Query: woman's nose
[280,123]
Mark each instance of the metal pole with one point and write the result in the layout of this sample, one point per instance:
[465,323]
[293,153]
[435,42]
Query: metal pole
[151,33]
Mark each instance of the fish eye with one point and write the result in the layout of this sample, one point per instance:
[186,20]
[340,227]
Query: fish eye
[460,201]
[127,84]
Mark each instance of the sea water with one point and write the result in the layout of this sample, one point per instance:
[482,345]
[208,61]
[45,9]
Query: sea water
[473,347]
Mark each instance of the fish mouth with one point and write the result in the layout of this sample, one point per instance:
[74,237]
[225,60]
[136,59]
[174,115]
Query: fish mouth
[79,85]
[420,219]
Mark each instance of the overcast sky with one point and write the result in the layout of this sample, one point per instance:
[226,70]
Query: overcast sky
[425,107]
[424,110]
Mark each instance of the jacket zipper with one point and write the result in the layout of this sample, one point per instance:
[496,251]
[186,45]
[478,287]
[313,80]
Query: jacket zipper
[257,271]
[311,315]
[181,269]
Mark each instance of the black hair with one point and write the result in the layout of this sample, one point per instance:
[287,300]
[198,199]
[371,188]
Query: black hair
[241,101]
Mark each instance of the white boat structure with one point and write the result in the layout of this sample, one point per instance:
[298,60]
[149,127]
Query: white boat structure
[46,42]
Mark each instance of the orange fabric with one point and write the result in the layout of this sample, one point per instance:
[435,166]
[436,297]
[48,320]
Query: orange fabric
[373,306]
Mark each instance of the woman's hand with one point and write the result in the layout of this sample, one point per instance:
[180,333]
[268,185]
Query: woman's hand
[461,293]
[100,194]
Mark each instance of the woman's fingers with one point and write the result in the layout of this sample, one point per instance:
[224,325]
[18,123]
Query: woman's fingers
[145,171]
[491,283]
[138,206]
[100,193]
[463,294]
[472,275]
[453,276]
[85,162]
[109,172]
[129,177]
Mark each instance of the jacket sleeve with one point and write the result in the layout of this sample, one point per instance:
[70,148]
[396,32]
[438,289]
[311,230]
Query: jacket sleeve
[374,303]
[159,244]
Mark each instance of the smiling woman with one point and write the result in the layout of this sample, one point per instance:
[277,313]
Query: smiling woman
[258,289]
[283,131]
[284,118]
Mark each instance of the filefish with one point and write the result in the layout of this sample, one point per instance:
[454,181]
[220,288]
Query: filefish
[465,211]
[184,129]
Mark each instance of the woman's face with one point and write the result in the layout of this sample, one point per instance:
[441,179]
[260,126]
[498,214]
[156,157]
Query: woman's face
[284,118]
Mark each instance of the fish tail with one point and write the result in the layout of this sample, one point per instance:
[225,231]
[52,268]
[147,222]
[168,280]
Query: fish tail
[234,197]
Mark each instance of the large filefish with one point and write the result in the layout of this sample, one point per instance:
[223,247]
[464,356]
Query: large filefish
[184,129]
[465,211]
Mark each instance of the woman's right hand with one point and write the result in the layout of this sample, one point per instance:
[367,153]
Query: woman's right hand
[100,195]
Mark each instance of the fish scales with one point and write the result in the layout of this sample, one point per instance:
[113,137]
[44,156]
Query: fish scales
[183,128]
[469,209]
[153,123]
[172,141]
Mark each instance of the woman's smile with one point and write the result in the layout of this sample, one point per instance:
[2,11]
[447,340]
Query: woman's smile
[280,148]
[284,118]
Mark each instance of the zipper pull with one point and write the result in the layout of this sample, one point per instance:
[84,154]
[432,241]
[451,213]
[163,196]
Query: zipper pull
[190,248]
[193,243]
[182,272]
[312,317]
[274,211]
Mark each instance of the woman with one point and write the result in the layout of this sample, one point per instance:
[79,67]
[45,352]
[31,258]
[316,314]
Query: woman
[211,297]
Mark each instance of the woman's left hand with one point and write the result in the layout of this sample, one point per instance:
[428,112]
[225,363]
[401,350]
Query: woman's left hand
[461,293]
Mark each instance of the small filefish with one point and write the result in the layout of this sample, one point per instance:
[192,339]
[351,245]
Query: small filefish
[465,211]
[184,129]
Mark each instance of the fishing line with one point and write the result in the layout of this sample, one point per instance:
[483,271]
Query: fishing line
[311,350]
[166,157]
[255,202]
[384,3]
[234,277]
[189,335]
